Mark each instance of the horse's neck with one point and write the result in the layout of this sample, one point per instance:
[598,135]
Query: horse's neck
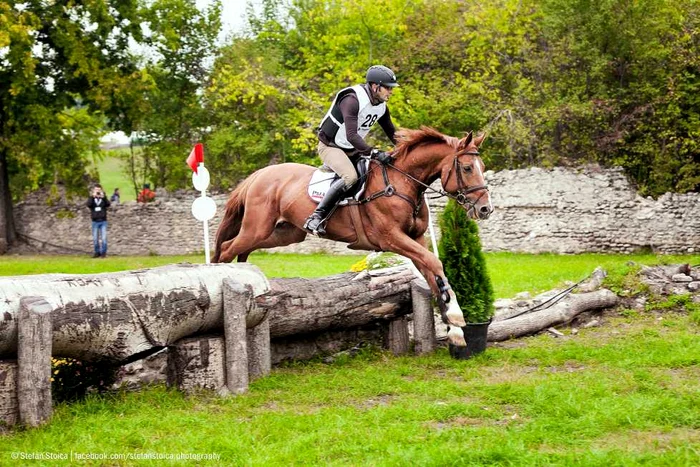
[426,165]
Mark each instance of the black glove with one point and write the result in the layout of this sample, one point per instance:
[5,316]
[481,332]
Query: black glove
[382,157]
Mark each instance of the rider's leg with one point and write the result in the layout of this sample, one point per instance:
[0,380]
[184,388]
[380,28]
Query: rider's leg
[315,222]
[339,162]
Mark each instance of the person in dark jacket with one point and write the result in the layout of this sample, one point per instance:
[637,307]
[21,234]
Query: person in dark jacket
[98,204]
[342,135]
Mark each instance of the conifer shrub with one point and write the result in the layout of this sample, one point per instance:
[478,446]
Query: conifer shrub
[464,263]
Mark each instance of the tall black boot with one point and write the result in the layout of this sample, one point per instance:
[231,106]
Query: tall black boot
[314,223]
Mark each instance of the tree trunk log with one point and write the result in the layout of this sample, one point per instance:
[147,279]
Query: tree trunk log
[34,361]
[560,313]
[303,306]
[305,347]
[116,315]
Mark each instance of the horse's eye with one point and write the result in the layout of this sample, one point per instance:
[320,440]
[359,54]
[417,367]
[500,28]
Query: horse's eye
[467,168]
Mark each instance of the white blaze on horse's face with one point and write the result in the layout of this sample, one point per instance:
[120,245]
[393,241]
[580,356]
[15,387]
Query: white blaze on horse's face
[485,209]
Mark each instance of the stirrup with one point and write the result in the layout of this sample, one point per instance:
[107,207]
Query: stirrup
[318,230]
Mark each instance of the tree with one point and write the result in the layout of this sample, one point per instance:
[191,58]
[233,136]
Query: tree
[464,263]
[182,47]
[64,68]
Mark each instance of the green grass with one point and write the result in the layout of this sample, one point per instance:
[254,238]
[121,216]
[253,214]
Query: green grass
[513,272]
[510,272]
[272,265]
[621,395]
[113,175]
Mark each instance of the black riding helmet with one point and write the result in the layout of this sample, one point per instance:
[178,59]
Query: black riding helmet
[381,75]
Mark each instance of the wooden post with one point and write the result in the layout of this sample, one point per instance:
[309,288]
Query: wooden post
[8,394]
[259,354]
[34,361]
[397,337]
[423,318]
[237,300]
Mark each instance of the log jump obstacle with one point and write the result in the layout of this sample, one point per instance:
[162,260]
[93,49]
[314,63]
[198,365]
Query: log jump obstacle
[215,326]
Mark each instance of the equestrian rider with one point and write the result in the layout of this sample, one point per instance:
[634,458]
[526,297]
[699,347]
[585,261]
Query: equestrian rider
[343,131]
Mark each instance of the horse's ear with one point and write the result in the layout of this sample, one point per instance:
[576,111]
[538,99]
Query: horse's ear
[464,142]
[479,139]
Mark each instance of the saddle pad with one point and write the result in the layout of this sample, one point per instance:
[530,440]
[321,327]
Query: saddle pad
[323,177]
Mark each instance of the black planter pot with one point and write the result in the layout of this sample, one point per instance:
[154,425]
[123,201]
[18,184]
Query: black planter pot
[475,334]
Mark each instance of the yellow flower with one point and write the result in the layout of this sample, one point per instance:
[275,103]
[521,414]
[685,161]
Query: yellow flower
[359,266]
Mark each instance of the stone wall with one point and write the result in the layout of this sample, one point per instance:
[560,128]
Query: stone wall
[587,210]
[537,210]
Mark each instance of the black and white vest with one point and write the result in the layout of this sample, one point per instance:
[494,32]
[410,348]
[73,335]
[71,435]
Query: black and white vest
[333,125]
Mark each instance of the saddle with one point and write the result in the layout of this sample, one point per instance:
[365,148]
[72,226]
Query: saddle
[323,177]
[320,182]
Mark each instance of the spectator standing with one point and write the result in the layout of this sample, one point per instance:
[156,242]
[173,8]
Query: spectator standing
[115,196]
[98,204]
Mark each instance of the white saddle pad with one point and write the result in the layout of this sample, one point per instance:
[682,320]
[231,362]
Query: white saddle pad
[321,181]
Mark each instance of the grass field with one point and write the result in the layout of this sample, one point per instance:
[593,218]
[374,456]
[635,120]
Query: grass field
[112,175]
[623,394]
[510,273]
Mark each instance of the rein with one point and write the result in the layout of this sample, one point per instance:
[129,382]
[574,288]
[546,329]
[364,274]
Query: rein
[460,195]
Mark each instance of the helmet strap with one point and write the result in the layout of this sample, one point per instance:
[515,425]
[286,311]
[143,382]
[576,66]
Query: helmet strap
[373,92]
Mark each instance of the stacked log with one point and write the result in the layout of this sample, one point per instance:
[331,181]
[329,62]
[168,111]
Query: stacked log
[114,316]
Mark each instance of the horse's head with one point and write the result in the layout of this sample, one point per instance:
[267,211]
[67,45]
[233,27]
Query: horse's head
[462,176]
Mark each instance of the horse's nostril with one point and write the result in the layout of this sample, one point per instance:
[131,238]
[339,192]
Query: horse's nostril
[484,212]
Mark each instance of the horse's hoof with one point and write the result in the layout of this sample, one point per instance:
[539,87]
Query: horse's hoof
[455,336]
[455,316]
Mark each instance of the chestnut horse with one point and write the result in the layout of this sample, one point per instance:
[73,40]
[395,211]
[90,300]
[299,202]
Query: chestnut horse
[268,209]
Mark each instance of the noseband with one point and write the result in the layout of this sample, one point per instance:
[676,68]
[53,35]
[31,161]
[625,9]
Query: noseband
[460,196]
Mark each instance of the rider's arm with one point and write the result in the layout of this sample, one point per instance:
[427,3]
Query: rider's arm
[350,107]
[388,126]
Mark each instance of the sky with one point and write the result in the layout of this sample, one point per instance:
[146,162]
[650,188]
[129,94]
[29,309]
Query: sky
[232,15]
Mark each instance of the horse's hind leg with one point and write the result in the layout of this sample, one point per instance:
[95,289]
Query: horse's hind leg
[256,226]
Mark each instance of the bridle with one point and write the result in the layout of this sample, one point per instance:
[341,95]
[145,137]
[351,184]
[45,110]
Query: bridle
[460,196]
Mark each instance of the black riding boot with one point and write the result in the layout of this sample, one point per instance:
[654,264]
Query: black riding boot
[314,223]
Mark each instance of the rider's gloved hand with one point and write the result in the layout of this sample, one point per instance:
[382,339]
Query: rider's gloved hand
[383,157]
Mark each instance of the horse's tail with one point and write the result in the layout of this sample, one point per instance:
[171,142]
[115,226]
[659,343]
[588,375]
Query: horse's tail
[233,216]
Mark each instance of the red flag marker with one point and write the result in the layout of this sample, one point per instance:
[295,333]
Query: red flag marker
[196,156]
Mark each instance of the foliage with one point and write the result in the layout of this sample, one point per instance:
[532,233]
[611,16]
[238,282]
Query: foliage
[554,81]
[676,302]
[73,379]
[65,72]
[465,264]
[182,44]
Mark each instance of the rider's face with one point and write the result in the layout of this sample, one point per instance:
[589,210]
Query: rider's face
[384,93]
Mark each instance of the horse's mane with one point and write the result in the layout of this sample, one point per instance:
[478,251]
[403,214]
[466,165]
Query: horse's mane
[407,139]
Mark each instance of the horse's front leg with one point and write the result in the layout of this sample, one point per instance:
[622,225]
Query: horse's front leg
[441,288]
[431,268]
